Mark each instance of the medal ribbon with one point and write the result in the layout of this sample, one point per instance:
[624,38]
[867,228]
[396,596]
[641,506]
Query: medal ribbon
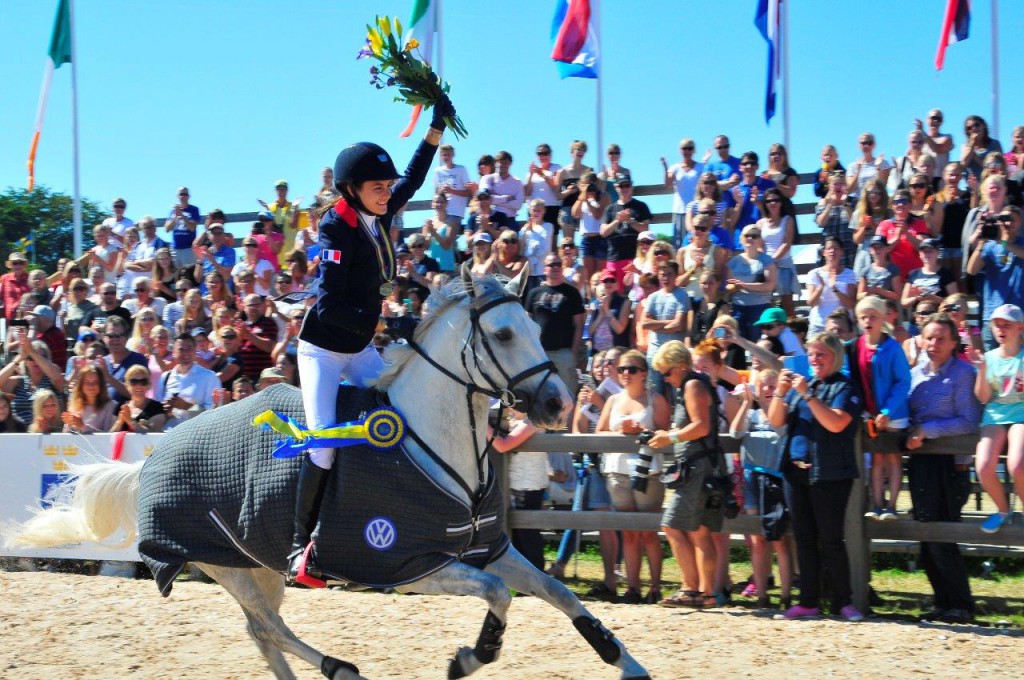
[382,429]
[382,247]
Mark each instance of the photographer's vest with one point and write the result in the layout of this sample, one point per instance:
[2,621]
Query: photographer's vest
[697,448]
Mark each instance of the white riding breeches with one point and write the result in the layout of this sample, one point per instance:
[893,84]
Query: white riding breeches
[320,372]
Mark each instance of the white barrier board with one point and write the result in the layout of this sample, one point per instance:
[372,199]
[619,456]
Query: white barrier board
[32,464]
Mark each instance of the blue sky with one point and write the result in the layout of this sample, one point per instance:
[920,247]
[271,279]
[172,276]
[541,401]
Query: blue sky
[226,97]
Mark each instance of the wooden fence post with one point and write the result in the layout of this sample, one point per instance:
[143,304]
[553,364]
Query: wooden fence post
[858,545]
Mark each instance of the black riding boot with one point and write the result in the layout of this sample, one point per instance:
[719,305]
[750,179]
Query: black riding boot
[309,494]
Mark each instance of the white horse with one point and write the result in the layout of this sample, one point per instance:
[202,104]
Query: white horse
[478,341]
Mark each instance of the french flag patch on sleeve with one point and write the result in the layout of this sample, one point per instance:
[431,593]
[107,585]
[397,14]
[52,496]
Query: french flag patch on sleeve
[330,256]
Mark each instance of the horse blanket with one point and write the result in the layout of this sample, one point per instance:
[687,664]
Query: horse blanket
[211,492]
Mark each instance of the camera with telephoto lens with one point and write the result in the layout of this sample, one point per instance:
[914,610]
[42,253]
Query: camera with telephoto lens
[990,228]
[719,488]
[642,471]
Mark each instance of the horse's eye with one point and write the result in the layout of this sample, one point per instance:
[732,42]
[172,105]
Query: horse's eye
[503,334]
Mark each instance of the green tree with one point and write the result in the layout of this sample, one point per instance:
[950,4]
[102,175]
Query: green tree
[47,215]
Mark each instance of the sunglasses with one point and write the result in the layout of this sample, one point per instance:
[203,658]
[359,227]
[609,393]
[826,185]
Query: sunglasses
[632,370]
[108,293]
[614,153]
[251,245]
[705,212]
[148,318]
[116,336]
[138,381]
[775,153]
[772,201]
[659,253]
[918,186]
[901,201]
[119,207]
[867,143]
[702,228]
[418,245]
[724,146]
[752,237]
[747,164]
[709,182]
[686,148]
[927,312]
[543,153]
[769,326]
[80,289]
[553,265]
[229,336]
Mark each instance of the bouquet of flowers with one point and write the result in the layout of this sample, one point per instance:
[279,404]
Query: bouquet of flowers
[417,83]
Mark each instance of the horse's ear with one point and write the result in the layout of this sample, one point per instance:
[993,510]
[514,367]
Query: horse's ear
[467,278]
[518,285]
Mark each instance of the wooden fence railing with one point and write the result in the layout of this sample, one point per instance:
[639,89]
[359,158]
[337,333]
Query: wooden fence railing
[859,531]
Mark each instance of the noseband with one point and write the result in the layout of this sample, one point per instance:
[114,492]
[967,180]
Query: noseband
[504,394]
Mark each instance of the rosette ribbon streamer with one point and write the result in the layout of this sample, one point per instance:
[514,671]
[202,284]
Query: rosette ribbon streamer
[382,429]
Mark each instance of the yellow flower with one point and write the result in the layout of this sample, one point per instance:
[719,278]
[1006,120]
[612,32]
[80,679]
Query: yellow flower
[398,26]
[376,43]
[412,44]
[385,26]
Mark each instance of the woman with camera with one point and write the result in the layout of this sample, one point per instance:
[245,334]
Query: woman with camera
[819,464]
[633,489]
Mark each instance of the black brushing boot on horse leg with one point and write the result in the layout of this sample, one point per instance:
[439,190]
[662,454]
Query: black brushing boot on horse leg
[302,567]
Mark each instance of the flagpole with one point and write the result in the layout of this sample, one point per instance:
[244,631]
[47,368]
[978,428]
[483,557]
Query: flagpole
[784,26]
[437,36]
[595,15]
[995,70]
[77,200]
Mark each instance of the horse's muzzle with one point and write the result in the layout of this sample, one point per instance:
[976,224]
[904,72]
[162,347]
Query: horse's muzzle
[550,405]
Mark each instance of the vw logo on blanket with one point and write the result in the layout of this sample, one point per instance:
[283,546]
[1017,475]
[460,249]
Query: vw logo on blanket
[380,533]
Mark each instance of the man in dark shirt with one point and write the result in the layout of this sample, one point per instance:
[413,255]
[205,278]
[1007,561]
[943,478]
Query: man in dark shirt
[259,335]
[623,221]
[109,306]
[116,364]
[47,331]
[419,270]
[557,307]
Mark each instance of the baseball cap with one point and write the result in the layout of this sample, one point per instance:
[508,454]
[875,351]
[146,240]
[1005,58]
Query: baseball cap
[483,237]
[402,249]
[17,257]
[930,243]
[878,240]
[608,275]
[44,310]
[626,181]
[86,334]
[1011,313]
[216,226]
[483,194]
[265,215]
[772,315]
[196,332]
[280,183]
[647,236]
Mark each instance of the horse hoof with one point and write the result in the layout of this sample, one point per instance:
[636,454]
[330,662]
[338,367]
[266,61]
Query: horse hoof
[457,666]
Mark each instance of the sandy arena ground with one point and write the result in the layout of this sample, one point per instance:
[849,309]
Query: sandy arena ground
[64,626]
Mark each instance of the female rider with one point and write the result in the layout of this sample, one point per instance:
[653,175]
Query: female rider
[357,271]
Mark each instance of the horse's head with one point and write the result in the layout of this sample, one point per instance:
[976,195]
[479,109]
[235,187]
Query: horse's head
[506,351]
[479,336]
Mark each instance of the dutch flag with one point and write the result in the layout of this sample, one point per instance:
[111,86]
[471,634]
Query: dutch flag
[955,27]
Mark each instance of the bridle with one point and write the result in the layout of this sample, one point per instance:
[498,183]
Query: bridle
[504,394]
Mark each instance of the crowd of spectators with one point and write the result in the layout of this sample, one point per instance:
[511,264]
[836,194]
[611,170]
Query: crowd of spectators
[706,329]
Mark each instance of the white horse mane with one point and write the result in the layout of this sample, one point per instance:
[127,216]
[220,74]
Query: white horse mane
[454,292]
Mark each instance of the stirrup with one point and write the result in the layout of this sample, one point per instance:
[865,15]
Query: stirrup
[302,576]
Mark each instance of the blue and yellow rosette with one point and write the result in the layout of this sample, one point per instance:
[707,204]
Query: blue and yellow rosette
[383,429]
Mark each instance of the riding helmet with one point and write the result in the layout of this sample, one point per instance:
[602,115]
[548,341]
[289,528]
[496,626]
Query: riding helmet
[363,162]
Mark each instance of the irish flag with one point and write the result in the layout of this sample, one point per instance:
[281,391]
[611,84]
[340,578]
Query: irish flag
[422,27]
[59,53]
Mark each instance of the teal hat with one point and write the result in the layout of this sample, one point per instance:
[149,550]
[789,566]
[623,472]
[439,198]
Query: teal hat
[772,315]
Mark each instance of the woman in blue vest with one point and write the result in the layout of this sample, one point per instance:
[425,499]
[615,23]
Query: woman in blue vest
[356,272]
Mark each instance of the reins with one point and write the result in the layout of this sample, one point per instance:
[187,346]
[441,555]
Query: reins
[504,395]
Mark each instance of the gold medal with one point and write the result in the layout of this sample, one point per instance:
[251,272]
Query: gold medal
[386,288]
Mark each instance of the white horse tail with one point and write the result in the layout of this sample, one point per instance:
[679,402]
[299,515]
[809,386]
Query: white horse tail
[103,499]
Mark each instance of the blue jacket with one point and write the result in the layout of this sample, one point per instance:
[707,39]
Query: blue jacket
[890,377]
[347,308]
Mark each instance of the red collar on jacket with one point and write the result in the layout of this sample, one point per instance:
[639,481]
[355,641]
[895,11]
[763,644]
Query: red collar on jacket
[347,213]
